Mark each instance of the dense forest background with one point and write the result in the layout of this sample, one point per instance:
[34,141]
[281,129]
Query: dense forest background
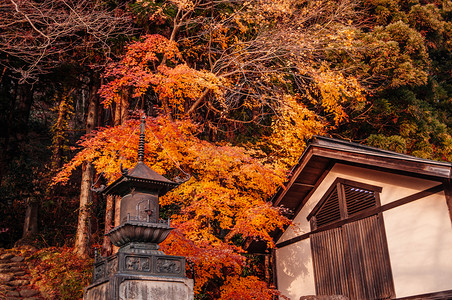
[232,91]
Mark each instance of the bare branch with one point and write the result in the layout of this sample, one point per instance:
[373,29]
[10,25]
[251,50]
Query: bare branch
[39,35]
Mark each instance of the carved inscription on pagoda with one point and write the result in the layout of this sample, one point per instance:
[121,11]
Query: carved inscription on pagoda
[104,268]
[168,266]
[163,265]
[137,263]
[112,266]
[99,272]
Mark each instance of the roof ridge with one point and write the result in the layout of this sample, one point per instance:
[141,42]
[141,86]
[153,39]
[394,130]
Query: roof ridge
[350,145]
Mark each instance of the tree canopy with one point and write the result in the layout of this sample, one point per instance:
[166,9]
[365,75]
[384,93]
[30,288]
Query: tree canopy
[215,212]
[233,90]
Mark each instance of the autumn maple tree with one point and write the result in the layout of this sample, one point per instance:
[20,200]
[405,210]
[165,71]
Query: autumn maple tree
[250,82]
[214,213]
[235,89]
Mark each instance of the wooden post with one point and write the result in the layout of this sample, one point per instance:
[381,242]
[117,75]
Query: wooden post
[448,192]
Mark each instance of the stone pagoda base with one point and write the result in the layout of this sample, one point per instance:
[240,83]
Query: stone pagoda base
[139,271]
[141,288]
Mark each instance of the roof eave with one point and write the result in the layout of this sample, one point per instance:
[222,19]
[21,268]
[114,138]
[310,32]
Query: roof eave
[123,185]
[366,157]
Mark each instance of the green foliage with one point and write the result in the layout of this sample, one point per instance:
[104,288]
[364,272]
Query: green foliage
[63,110]
[396,56]
[406,58]
[427,20]
[153,12]
[394,142]
[386,11]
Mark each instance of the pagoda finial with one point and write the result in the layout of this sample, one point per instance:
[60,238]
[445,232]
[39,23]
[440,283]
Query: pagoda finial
[141,143]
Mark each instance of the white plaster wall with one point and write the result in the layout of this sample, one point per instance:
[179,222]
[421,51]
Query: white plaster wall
[419,236]
[420,246]
[295,271]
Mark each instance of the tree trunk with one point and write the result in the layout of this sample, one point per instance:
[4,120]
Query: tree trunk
[117,116]
[22,112]
[31,220]
[15,113]
[121,111]
[124,110]
[19,128]
[59,131]
[106,245]
[117,217]
[7,103]
[83,235]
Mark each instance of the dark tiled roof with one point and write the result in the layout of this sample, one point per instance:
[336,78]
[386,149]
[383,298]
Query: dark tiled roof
[140,177]
[359,148]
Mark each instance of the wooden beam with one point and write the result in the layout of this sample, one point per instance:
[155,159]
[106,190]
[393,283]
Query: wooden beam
[274,283]
[431,296]
[325,172]
[303,184]
[306,157]
[293,240]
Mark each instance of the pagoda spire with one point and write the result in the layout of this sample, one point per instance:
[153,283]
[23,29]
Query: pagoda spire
[142,138]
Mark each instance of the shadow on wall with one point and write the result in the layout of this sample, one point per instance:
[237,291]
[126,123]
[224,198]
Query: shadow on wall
[295,271]
[296,259]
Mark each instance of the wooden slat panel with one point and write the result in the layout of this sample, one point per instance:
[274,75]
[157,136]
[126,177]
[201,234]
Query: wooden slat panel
[342,264]
[329,212]
[329,263]
[361,272]
[350,258]
[371,273]
[358,199]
